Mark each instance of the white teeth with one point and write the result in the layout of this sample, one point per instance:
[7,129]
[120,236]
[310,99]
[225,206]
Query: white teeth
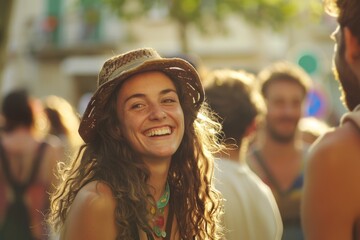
[158,132]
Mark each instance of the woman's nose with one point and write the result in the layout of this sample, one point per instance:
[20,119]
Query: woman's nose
[157,113]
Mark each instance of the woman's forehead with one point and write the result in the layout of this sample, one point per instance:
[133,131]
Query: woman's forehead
[146,83]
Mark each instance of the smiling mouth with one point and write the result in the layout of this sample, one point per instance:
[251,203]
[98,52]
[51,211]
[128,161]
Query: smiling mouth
[158,132]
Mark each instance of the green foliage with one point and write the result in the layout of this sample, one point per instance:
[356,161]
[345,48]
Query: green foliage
[208,15]
[129,9]
[185,10]
[273,13]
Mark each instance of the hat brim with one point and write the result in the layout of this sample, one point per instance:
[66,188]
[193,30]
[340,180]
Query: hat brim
[176,68]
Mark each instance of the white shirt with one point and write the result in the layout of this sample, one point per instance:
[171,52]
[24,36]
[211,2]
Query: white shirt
[251,212]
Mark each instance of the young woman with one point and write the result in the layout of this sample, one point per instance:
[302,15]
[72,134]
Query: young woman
[146,167]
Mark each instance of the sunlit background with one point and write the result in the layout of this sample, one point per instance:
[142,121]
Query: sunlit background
[57,47]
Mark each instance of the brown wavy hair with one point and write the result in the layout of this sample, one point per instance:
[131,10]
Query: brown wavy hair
[234,96]
[283,71]
[109,159]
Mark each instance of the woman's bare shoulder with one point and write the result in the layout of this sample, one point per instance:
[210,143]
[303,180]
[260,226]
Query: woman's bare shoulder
[92,214]
[95,196]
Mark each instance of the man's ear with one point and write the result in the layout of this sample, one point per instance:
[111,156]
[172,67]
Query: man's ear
[251,129]
[352,47]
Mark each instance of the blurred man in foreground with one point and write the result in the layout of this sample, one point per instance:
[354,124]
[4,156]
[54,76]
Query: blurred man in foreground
[331,200]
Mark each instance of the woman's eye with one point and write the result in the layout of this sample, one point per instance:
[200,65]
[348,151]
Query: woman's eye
[169,100]
[137,106]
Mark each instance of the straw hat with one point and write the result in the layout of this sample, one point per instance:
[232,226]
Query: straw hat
[119,68]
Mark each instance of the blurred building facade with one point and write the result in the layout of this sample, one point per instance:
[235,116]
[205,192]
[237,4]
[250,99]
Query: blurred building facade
[58,46]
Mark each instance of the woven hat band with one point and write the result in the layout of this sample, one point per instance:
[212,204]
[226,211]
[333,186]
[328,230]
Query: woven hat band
[119,64]
[130,65]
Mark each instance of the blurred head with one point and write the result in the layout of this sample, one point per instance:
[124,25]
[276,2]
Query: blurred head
[284,87]
[347,50]
[63,120]
[56,109]
[17,110]
[235,99]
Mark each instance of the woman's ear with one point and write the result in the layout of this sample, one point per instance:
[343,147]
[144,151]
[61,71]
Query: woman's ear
[352,47]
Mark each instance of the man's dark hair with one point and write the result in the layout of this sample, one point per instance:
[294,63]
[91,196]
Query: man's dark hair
[283,71]
[347,12]
[16,110]
[235,99]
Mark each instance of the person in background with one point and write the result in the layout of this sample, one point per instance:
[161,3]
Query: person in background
[331,199]
[27,165]
[278,155]
[250,208]
[312,128]
[145,171]
[2,122]
[63,123]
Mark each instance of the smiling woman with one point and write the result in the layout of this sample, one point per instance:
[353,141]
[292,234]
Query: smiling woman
[151,116]
[145,169]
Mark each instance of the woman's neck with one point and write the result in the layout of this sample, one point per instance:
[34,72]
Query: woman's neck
[158,177]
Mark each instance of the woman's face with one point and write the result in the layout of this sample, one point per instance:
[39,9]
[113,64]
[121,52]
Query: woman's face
[150,115]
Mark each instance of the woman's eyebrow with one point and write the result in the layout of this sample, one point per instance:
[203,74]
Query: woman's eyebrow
[168,90]
[136,95]
[142,95]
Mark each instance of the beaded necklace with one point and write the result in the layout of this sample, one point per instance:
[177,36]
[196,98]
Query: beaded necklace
[158,213]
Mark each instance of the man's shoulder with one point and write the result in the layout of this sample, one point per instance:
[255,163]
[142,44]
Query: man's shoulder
[353,117]
[337,148]
[239,177]
[345,135]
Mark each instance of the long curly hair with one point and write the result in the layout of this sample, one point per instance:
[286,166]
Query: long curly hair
[109,158]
